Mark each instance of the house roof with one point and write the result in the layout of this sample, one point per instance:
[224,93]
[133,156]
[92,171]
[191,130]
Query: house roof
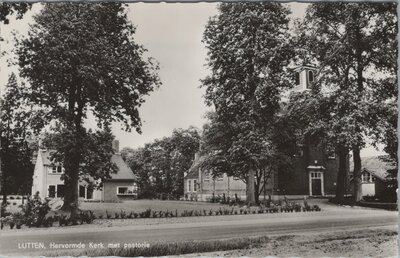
[45,157]
[124,172]
[305,66]
[194,169]
[375,165]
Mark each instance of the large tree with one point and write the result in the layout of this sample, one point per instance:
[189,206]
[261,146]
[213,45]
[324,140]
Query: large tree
[8,9]
[80,59]
[270,151]
[16,127]
[248,51]
[355,46]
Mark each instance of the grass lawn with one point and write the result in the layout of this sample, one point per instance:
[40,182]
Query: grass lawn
[154,205]
[357,243]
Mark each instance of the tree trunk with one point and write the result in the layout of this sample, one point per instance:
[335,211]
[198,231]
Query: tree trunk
[3,170]
[73,157]
[250,197]
[357,191]
[3,188]
[342,173]
[71,181]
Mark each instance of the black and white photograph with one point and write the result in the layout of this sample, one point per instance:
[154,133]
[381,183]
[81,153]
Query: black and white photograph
[199,129]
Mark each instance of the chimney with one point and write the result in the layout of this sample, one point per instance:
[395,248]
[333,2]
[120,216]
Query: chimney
[115,146]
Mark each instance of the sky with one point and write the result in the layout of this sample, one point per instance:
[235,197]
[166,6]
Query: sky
[172,33]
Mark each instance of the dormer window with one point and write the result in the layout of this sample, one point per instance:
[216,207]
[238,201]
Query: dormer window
[57,170]
[297,78]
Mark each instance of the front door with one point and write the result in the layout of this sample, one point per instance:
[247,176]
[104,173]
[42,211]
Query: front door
[316,186]
[316,183]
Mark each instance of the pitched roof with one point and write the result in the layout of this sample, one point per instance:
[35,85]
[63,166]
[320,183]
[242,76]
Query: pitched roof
[375,165]
[45,157]
[194,169]
[124,172]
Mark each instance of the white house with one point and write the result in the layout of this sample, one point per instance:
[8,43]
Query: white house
[48,182]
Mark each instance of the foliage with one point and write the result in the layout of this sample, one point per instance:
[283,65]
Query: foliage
[35,211]
[7,9]
[96,149]
[160,165]
[80,59]
[18,130]
[248,53]
[355,47]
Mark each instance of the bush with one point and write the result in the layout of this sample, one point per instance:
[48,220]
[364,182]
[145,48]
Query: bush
[87,217]
[145,214]
[316,208]
[122,214]
[35,211]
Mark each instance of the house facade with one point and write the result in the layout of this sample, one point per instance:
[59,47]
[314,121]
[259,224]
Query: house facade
[200,185]
[47,180]
[314,170]
[374,176]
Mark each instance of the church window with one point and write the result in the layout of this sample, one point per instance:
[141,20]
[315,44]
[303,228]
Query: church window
[194,185]
[310,76]
[297,78]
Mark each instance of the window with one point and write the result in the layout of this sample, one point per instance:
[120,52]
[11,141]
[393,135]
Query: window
[219,178]
[297,78]
[82,191]
[127,190]
[299,151]
[367,177]
[189,185]
[194,185]
[316,175]
[57,170]
[206,176]
[89,192]
[330,152]
[60,190]
[310,76]
[52,191]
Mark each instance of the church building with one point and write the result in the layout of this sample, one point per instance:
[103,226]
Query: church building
[314,170]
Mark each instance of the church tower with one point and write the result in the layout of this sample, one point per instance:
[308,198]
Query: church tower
[304,77]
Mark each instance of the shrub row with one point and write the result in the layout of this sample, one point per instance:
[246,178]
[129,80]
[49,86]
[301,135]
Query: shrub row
[18,219]
[222,211]
[34,213]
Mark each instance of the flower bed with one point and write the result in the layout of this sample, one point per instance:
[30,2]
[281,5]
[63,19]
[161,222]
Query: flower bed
[148,213]
[36,213]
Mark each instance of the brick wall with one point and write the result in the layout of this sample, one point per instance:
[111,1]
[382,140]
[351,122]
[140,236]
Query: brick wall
[110,191]
[295,181]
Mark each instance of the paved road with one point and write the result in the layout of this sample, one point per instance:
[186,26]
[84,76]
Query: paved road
[14,242]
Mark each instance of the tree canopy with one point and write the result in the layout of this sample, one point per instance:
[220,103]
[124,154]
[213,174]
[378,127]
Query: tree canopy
[160,166]
[81,59]
[248,52]
[355,47]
